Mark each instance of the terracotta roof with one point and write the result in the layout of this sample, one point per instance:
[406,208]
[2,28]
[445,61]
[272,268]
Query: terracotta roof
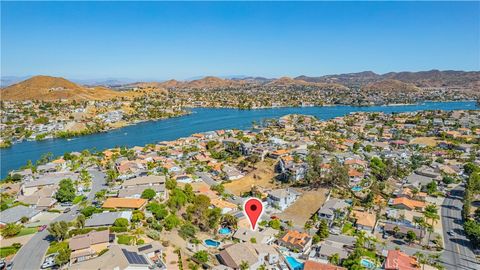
[397,260]
[412,204]
[124,203]
[296,238]
[311,265]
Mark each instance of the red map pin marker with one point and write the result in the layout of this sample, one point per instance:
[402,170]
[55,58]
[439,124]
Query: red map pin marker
[253,209]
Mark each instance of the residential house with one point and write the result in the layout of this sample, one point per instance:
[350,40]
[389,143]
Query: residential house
[364,221]
[15,214]
[232,173]
[333,208]
[265,236]
[406,203]
[312,265]
[124,203]
[121,257]
[254,255]
[397,260]
[282,198]
[87,246]
[107,218]
[296,240]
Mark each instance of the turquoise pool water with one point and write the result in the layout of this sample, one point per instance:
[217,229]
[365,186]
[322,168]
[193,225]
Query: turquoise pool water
[294,264]
[367,264]
[356,189]
[224,231]
[212,243]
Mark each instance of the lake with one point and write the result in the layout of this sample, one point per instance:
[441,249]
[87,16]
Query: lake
[201,120]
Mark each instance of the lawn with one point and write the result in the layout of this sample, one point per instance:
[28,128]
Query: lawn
[78,199]
[10,250]
[25,231]
[56,246]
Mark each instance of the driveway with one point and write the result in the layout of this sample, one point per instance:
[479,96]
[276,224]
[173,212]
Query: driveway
[30,256]
[458,253]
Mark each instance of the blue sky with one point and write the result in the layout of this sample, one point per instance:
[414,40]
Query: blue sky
[162,40]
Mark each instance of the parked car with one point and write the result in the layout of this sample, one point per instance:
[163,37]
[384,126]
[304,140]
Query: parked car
[41,228]
[65,204]
[451,233]
[67,210]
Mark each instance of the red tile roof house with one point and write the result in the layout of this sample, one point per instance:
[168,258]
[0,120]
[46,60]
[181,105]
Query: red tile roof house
[296,240]
[397,260]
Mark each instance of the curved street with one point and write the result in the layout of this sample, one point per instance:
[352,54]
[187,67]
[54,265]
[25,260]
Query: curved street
[30,256]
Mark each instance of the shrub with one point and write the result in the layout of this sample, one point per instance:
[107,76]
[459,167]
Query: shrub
[124,239]
[121,222]
[153,235]
[118,229]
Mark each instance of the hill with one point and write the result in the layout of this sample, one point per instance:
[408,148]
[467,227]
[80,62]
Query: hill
[54,88]
[390,86]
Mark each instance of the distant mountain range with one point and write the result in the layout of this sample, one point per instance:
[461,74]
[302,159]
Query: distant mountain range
[54,88]
[48,88]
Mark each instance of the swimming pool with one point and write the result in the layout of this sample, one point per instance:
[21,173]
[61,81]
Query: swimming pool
[367,264]
[294,264]
[356,188]
[212,243]
[224,230]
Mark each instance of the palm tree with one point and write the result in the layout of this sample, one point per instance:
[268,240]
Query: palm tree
[431,212]
[244,265]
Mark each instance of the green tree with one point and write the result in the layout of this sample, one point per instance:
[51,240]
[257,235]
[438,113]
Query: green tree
[411,236]
[121,222]
[63,256]
[431,212]
[59,230]
[334,259]
[201,256]
[244,265]
[11,229]
[274,224]
[323,230]
[187,230]
[171,221]
[148,194]
[66,191]
[80,221]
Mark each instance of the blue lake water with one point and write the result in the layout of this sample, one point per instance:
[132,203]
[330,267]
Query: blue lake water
[201,119]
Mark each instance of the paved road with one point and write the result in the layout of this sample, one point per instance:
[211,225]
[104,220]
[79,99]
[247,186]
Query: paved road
[457,254]
[30,256]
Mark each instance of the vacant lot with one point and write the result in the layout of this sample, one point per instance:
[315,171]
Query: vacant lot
[262,176]
[305,206]
[428,141]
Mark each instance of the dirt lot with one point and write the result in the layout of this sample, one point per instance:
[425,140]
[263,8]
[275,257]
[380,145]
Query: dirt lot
[261,176]
[305,206]
[429,141]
